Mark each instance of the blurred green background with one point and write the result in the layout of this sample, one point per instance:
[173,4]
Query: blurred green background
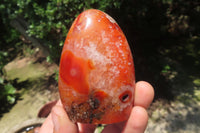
[164,36]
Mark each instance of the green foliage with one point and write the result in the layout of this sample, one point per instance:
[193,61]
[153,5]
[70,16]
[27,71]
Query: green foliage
[8,45]
[197,82]
[166,69]
[56,75]
[8,95]
[2,58]
[7,91]
[50,20]
[163,31]
[99,128]
[27,50]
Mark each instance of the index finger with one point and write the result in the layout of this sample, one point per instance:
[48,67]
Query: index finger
[144,94]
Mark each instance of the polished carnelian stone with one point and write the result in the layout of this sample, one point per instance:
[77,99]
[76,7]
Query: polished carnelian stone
[97,76]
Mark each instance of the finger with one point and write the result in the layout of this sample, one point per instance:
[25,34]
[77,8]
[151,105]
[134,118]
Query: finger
[62,123]
[137,121]
[47,126]
[144,94]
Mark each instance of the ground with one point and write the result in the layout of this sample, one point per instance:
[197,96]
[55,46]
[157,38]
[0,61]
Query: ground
[40,87]
[175,117]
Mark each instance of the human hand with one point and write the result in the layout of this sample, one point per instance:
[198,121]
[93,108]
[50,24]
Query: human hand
[59,122]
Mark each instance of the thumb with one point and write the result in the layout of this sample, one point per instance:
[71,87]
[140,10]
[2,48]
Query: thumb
[61,121]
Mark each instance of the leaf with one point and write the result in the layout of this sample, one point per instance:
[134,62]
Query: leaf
[99,128]
[48,59]
[9,89]
[197,82]
[61,43]
[10,99]
[1,80]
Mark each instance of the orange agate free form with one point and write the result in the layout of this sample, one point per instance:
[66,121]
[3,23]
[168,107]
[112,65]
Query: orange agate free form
[97,76]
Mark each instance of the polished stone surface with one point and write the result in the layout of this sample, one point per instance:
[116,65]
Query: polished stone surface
[97,76]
